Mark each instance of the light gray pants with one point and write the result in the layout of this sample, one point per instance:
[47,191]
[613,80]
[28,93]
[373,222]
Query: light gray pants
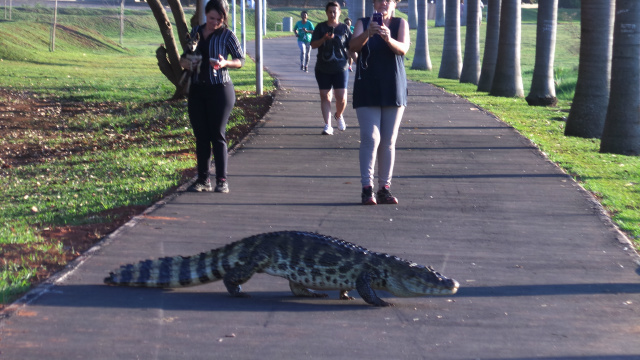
[305,52]
[378,132]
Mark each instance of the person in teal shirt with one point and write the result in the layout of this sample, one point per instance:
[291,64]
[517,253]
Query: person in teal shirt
[303,30]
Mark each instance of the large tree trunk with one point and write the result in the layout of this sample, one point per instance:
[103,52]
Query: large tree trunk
[490,46]
[471,63]
[543,88]
[180,20]
[589,106]
[412,14]
[507,80]
[621,133]
[440,4]
[421,58]
[168,55]
[451,63]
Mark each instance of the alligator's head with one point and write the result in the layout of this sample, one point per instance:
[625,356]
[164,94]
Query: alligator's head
[418,280]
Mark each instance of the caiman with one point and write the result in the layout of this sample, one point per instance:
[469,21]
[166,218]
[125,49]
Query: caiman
[308,260]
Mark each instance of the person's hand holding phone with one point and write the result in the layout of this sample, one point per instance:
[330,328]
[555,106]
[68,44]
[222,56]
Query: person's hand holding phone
[217,64]
[329,34]
[374,24]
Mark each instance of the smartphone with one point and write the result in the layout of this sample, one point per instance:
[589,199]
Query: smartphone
[215,65]
[377,17]
[330,31]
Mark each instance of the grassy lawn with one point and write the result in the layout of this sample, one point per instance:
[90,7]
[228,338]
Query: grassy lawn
[129,147]
[125,146]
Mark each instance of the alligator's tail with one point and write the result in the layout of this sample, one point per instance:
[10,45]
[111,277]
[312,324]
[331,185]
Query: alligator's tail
[177,271]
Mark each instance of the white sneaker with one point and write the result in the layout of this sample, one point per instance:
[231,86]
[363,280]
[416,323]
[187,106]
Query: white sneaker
[342,126]
[328,130]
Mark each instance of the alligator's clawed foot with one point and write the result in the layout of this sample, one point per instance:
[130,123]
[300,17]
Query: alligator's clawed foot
[345,296]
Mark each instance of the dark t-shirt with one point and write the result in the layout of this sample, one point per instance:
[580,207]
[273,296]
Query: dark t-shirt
[380,76]
[333,55]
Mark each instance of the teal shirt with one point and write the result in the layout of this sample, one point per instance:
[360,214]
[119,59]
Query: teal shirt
[302,36]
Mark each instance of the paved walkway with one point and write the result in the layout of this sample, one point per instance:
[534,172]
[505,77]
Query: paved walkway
[543,275]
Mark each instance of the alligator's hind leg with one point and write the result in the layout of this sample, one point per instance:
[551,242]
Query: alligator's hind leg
[237,276]
[300,290]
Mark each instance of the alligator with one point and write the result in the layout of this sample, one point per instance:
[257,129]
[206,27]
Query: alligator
[310,261]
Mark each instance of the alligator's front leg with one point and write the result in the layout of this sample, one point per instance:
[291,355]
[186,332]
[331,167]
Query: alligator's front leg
[301,290]
[363,286]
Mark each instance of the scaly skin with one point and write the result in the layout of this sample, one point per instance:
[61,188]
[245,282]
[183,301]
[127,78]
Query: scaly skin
[307,260]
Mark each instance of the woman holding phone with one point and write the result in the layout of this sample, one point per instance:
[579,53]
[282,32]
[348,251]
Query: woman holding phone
[331,38]
[212,95]
[379,95]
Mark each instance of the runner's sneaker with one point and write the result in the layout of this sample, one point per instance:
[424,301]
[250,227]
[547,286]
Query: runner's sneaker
[384,196]
[201,185]
[306,69]
[367,196]
[222,186]
[302,67]
[328,130]
[342,126]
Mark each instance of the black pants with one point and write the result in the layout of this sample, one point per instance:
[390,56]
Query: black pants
[209,110]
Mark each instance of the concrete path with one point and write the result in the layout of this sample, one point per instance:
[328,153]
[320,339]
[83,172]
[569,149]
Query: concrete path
[543,274]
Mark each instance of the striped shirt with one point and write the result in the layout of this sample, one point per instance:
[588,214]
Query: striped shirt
[221,42]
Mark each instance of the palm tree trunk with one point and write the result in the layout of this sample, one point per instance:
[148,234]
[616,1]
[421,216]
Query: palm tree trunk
[471,64]
[543,89]
[490,46]
[412,14]
[451,53]
[591,98]
[621,133]
[507,80]
[421,58]
[440,4]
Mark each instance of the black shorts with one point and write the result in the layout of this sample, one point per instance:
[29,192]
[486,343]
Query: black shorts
[336,81]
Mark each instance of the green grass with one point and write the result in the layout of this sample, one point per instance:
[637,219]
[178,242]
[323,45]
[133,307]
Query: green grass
[130,146]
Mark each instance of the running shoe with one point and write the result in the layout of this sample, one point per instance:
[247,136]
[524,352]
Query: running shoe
[384,196]
[222,186]
[328,130]
[342,126]
[201,185]
[367,196]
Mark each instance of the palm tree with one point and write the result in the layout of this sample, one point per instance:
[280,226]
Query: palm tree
[490,46]
[471,64]
[451,54]
[589,106]
[507,80]
[621,133]
[421,59]
[440,12]
[543,87]
[412,15]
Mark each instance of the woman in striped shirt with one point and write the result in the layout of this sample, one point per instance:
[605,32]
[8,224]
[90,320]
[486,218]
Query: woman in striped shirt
[212,95]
